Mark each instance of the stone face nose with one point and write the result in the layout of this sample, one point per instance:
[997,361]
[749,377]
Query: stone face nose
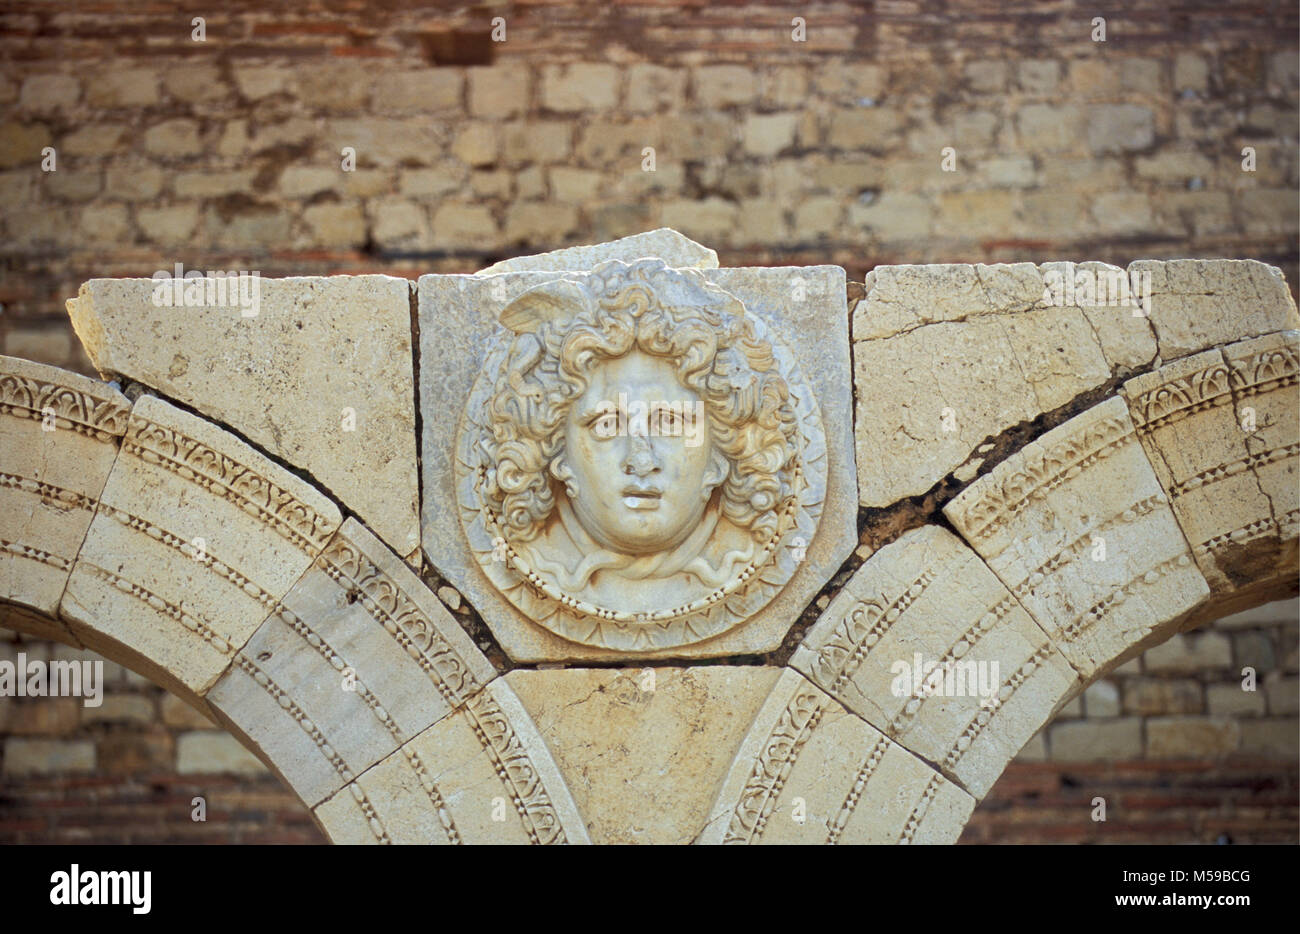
[640,459]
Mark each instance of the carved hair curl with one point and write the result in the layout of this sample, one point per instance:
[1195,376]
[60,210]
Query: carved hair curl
[566,328]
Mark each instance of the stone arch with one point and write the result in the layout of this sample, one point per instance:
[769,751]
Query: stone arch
[167,543]
[1144,515]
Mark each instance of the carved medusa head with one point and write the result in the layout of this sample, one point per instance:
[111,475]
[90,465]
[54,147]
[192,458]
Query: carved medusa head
[639,398]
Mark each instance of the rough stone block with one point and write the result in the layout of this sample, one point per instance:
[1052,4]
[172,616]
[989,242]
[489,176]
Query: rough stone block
[1192,737]
[1096,740]
[1147,696]
[24,756]
[317,371]
[580,87]
[1189,653]
[1118,127]
[208,752]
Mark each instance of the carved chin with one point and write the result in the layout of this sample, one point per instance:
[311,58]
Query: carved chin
[642,524]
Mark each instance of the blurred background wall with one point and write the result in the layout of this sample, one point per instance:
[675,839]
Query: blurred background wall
[777,134]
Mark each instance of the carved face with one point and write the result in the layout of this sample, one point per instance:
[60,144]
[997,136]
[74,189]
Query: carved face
[638,460]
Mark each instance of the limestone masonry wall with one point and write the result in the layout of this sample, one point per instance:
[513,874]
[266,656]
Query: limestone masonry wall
[226,153]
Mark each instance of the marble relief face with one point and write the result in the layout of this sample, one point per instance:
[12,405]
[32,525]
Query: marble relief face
[633,460]
[639,476]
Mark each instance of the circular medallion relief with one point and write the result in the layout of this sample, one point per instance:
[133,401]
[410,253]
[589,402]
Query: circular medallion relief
[640,464]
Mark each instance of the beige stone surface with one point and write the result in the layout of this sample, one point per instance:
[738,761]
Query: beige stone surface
[925,401]
[59,434]
[809,771]
[664,243]
[1079,529]
[196,540]
[481,775]
[644,750]
[1265,378]
[1192,419]
[356,659]
[1202,303]
[803,307]
[36,624]
[321,377]
[928,600]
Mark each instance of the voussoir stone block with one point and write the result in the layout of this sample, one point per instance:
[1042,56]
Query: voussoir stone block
[1266,379]
[315,370]
[810,771]
[1221,430]
[481,775]
[644,749]
[59,434]
[355,660]
[196,539]
[1079,529]
[927,606]
[946,356]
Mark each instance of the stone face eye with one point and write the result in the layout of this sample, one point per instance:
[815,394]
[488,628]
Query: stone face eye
[605,427]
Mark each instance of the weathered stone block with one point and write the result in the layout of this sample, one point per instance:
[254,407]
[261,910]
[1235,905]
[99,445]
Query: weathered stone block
[24,756]
[644,750]
[1197,304]
[1079,529]
[1096,741]
[356,659]
[481,775]
[207,752]
[1192,737]
[317,371]
[580,87]
[927,603]
[810,771]
[196,539]
[59,435]
[1041,343]
[1219,437]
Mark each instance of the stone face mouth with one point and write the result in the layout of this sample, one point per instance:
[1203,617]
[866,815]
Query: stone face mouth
[641,497]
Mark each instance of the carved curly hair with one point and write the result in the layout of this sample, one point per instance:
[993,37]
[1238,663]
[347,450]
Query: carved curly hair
[566,328]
